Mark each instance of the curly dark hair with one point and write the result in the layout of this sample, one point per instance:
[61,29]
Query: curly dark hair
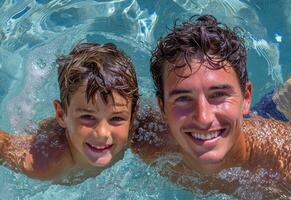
[103,68]
[216,43]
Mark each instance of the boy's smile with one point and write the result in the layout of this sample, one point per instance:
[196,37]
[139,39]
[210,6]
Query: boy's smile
[97,131]
[204,112]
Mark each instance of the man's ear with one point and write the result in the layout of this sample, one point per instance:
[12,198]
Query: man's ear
[162,106]
[247,98]
[60,113]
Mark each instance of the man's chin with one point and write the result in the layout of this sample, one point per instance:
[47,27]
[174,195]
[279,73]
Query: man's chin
[210,162]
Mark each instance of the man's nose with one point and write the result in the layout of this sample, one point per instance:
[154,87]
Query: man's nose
[203,113]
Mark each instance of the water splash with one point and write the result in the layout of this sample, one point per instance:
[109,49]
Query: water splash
[146,22]
[193,6]
[22,98]
[271,53]
[232,7]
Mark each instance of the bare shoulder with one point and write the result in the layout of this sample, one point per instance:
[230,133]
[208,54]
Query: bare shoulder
[151,138]
[269,144]
[269,129]
[42,153]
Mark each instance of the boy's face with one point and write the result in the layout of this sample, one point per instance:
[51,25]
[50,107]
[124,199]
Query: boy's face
[96,132]
[204,111]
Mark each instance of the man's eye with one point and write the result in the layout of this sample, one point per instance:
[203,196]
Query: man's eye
[218,94]
[183,99]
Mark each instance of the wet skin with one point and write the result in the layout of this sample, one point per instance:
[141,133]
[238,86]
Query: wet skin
[96,131]
[73,146]
[204,113]
[205,127]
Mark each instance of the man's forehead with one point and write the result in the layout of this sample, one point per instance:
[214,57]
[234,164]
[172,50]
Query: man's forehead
[183,68]
[200,77]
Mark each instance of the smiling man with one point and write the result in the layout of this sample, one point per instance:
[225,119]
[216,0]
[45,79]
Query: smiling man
[204,113]
[203,91]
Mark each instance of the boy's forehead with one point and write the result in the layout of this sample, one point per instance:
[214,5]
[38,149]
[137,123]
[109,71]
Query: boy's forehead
[115,99]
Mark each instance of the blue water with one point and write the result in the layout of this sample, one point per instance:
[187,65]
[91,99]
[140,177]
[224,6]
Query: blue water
[34,32]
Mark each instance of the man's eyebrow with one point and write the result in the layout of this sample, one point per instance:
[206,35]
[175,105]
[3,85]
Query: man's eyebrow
[221,87]
[179,91]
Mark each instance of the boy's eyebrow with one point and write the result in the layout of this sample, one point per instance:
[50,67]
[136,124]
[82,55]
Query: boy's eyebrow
[84,110]
[92,111]
[122,111]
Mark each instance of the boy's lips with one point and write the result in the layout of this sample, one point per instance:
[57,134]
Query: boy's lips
[99,148]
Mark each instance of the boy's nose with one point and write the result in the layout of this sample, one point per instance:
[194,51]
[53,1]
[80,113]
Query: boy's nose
[203,114]
[102,129]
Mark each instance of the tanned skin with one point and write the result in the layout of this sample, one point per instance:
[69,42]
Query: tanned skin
[254,143]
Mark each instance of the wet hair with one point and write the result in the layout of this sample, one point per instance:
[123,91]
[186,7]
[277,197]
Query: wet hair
[101,68]
[205,37]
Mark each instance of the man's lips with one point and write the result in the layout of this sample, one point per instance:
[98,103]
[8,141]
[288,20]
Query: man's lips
[205,136]
[99,148]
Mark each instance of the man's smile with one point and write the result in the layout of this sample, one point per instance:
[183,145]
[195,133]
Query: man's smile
[205,136]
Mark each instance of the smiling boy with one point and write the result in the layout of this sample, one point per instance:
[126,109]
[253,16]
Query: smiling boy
[98,98]
[203,91]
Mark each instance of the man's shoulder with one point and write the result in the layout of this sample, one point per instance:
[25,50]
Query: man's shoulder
[269,144]
[258,125]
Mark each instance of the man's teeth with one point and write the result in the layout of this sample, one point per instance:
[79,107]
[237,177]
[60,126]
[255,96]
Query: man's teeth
[207,136]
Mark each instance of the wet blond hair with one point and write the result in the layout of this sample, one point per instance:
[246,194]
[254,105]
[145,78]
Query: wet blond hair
[103,68]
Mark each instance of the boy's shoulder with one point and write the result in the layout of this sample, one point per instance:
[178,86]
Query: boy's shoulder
[44,153]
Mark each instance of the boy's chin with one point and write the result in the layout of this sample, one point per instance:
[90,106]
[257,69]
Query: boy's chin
[101,162]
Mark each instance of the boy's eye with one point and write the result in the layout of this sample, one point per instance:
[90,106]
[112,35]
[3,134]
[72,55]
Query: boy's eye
[117,119]
[88,120]
[88,117]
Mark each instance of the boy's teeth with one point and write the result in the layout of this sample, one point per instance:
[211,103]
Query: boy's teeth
[207,136]
[99,147]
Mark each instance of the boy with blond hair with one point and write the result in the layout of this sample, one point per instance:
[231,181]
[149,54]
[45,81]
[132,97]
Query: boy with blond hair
[93,119]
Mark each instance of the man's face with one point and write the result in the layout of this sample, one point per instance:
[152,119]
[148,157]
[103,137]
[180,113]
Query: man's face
[204,111]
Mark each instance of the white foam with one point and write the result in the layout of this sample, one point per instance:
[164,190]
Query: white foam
[271,53]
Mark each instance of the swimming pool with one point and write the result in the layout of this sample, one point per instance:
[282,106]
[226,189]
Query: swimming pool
[33,32]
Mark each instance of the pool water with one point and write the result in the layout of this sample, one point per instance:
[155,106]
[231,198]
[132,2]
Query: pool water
[34,32]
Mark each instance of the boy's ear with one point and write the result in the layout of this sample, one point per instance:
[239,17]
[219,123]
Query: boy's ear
[247,98]
[133,114]
[60,113]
